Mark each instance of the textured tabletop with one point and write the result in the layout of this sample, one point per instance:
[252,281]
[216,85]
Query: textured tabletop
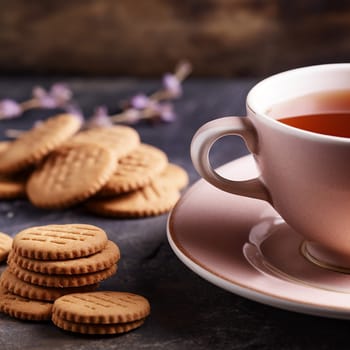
[187,312]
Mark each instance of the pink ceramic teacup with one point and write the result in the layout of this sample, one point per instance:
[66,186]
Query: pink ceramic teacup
[305,176]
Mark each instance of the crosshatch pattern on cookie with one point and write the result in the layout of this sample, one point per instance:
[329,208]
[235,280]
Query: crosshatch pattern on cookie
[120,139]
[103,307]
[59,242]
[92,263]
[69,159]
[36,143]
[70,175]
[136,169]
[153,199]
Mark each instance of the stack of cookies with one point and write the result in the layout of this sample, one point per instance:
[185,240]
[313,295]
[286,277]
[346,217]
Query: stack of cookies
[47,262]
[52,274]
[109,169]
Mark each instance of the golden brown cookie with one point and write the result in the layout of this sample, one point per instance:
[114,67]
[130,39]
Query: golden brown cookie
[59,242]
[86,328]
[120,139]
[24,308]
[5,245]
[102,260]
[61,281]
[136,170]
[103,307]
[32,291]
[153,199]
[4,145]
[174,175]
[12,188]
[70,175]
[36,143]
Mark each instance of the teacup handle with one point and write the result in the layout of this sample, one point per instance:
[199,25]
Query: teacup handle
[204,139]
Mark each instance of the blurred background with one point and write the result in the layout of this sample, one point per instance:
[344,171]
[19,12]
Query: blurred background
[222,38]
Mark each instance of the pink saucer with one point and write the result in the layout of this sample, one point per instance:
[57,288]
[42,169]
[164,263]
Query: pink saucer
[231,242]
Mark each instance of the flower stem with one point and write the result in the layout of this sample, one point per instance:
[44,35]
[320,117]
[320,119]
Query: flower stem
[160,95]
[124,116]
[119,117]
[183,70]
[29,104]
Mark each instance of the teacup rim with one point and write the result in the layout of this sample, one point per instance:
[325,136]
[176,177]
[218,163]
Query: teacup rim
[281,126]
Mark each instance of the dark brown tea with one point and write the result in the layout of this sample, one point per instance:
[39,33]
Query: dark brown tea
[324,113]
[335,124]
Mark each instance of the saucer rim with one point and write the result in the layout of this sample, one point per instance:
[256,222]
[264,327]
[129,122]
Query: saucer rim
[236,287]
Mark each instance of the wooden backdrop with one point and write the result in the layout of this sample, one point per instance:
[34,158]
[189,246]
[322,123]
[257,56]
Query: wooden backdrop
[147,37]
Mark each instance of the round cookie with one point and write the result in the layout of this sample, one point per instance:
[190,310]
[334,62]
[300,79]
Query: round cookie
[61,281]
[86,328]
[32,291]
[70,175]
[153,199]
[24,308]
[103,307]
[174,175]
[102,260]
[5,245]
[136,170]
[36,143]
[119,139]
[59,242]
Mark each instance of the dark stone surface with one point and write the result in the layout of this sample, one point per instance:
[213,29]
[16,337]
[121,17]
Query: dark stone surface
[187,312]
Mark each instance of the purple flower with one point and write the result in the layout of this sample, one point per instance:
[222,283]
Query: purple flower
[58,95]
[61,93]
[166,112]
[172,84]
[140,101]
[100,118]
[9,109]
